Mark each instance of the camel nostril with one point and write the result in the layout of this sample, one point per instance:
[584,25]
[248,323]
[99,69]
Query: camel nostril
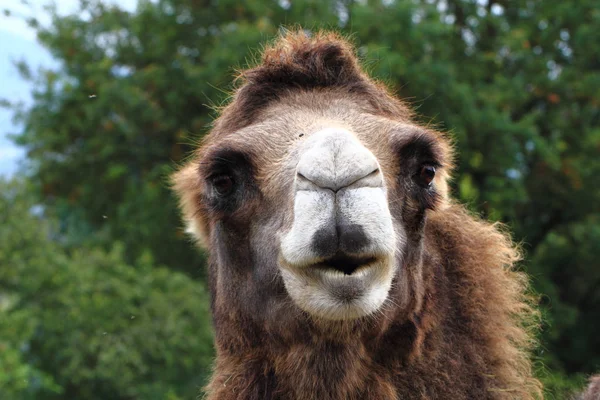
[334,158]
[304,183]
[372,179]
[302,177]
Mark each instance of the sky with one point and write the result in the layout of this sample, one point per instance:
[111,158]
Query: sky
[18,42]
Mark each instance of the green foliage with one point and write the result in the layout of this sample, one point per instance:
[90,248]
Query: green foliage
[516,83]
[85,324]
[557,386]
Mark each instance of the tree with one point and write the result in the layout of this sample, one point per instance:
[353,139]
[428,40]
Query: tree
[84,324]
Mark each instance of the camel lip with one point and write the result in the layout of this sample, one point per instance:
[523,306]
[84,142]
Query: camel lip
[346,264]
[323,289]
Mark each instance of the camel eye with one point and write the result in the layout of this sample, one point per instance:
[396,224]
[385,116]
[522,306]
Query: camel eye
[223,184]
[426,175]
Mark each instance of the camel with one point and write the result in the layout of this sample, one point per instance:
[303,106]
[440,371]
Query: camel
[339,266]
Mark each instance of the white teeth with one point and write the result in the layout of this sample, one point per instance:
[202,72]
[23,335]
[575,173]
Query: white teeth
[333,273]
[360,272]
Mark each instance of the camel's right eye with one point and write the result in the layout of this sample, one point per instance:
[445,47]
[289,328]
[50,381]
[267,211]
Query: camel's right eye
[228,180]
[223,184]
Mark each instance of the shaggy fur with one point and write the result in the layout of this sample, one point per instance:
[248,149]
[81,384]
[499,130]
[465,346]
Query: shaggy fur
[457,323]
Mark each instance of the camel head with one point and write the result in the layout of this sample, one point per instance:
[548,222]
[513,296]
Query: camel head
[312,191]
[338,267]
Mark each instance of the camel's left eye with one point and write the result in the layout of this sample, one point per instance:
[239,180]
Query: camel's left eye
[426,175]
[223,184]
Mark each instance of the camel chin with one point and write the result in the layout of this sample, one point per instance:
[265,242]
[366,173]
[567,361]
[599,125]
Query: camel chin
[337,260]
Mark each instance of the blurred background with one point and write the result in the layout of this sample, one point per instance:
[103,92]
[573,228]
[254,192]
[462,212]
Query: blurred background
[101,294]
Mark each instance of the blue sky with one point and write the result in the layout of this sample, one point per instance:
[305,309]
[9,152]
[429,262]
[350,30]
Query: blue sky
[18,42]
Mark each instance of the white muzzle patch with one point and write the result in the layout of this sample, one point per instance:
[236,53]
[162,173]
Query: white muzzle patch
[337,259]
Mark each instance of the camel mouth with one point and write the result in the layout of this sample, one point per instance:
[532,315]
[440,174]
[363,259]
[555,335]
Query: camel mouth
[342,287]
[346,264]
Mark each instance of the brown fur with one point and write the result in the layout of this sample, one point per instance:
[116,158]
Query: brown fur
[457,323]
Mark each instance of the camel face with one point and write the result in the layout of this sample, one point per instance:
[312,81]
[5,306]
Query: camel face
[319,204]
[337,260]
[312,191]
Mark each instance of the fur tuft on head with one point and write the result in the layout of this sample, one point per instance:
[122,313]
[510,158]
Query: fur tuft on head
[301,61]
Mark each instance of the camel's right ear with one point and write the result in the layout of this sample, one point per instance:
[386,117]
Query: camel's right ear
[186,184]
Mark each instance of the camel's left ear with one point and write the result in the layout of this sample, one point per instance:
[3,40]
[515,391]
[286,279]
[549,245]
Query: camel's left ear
[186,184]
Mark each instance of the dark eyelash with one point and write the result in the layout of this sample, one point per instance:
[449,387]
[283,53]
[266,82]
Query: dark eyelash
[419,150]
[224,161]
[431,162]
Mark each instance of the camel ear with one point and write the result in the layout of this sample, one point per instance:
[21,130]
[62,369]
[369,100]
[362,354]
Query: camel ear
[187,186]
